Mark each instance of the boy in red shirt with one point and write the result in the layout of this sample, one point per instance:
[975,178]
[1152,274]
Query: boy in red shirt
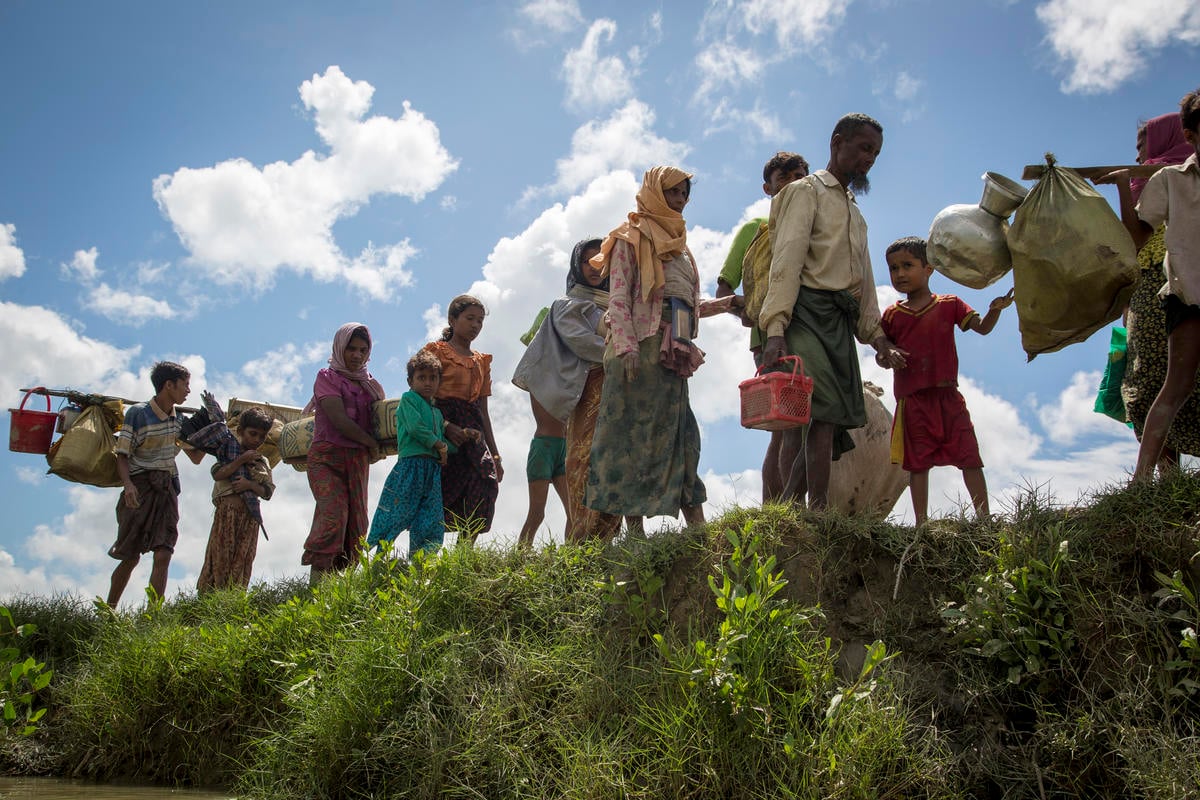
[932,427]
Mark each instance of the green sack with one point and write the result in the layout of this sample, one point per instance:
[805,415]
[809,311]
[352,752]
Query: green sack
[1108,399]
[528,335]
[1074,265]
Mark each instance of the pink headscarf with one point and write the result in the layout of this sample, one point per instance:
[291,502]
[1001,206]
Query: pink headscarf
[341,340]
[1165,144]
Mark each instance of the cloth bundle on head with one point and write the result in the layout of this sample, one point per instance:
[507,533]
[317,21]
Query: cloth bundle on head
[657,232]
[216,439]
[337,363]
[1165,144]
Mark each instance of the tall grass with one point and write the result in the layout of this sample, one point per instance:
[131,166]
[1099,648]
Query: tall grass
[774,653]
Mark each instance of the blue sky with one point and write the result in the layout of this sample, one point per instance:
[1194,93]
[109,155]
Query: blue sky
[225,183]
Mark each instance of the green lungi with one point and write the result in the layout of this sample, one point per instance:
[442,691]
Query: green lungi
[822,334]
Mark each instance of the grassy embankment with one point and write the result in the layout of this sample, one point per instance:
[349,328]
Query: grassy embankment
[1051,653]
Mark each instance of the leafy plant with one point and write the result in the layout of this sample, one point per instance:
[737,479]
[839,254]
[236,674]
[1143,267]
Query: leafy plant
[1176,594]
[1017,614]
[21,680]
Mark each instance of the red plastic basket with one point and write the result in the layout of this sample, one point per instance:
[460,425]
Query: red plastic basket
[31,431]
[778,400]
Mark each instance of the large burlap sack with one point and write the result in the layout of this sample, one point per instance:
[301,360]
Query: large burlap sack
[864,481]
[1074,264]
[84,454]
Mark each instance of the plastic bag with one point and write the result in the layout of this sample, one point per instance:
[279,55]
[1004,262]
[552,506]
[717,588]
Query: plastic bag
[1108,399]
[84,454]
[1074,265]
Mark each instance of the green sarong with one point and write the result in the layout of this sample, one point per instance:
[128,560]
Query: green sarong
[822,334]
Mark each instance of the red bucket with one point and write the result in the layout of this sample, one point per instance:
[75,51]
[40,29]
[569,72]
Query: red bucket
[31,431]
[778,400]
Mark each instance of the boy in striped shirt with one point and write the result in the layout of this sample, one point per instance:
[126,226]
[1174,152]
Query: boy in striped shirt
[148,508]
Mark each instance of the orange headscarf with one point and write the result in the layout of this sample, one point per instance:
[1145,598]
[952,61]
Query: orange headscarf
[656,232]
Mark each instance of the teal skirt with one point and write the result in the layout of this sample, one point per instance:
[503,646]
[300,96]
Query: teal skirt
[645,455]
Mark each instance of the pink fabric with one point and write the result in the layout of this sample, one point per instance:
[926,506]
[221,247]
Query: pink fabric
[1165,144]
[631,318]
[356,399]
[341,340]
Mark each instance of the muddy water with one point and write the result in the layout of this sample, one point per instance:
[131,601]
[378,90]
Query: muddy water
[53,789]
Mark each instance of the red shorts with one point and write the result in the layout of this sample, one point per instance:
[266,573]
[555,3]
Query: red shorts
[936,431]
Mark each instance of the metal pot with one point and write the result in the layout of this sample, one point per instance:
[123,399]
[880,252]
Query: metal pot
[968,243]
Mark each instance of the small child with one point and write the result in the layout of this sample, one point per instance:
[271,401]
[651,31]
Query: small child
[1171,196]
[932,426]
[545,466]
[148,508]
[412,495]
[233,540]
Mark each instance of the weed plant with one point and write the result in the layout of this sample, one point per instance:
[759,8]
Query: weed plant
[1051,652]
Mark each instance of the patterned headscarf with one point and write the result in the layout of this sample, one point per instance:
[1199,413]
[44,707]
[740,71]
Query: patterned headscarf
[337,363]
[1165,144]
[656,231]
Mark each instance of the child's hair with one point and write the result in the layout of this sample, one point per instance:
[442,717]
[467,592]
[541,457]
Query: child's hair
[784,161]
[1189,111]
[165,371]
[457,306]
[913,245]
[421,361]
[849,125]
[254,417]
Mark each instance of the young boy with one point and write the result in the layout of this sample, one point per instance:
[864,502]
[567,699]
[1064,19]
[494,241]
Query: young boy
[148,508]
[779,171]
[412,494]
[545,466]
[233,540]
[1171,196]
[932,426]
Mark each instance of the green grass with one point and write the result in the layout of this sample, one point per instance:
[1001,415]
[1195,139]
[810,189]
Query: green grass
[1050,652]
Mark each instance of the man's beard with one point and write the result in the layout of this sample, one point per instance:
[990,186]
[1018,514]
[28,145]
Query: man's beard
[860,184]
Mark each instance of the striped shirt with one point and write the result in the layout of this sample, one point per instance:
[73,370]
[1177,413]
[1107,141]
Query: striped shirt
[149,438]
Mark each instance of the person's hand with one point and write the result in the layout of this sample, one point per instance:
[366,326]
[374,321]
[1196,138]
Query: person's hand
[131,496]
[499,468]
[374,453]
[889,356]
[1116,176]
[773,350]
[443,452]
[629,361]
[472,435]
[247,456]
[1004,302]
[242,485]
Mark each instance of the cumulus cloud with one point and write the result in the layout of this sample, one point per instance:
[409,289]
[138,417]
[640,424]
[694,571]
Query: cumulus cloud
[1104,43]
[595,82]
[243,224]
[12,258]
[794,23]
[558,16]
[127,308]
[83,265]
[724,63]
[624,141]
[1072,417]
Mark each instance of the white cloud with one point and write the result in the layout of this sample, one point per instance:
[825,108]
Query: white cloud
[559,16]
[449,203]
[243,224]
[12,258]
[125,307]
[724,63]
[1073,417]
[595,82]
[906,86]
[83,265]
[795,23]
[624,141]
[756,124]
[1105,43]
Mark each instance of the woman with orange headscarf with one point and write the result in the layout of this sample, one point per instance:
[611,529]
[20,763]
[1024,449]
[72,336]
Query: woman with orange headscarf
[646,450]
